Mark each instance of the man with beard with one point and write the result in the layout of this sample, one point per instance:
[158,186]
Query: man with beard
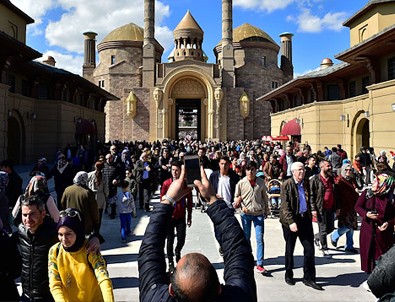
[323,204]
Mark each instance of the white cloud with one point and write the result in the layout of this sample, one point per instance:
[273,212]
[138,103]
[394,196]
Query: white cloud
[308,22]
[36,10]
[68,62]
[264,5]
[100,16]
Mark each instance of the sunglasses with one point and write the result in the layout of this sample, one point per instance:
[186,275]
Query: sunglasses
[70,213]
[349,170]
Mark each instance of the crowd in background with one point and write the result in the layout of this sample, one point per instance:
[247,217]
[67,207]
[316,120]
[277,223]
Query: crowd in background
[122,177]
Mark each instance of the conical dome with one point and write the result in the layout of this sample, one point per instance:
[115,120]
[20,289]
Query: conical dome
[188,37]
[188,22]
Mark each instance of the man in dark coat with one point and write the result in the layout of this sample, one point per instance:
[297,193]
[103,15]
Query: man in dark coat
[37,233]
[195,268]
[295,217]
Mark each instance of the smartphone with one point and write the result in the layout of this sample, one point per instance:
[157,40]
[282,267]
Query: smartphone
[192,167]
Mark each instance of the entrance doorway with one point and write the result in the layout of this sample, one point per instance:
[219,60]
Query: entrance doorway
[363,134]
[14,137]
[188,119]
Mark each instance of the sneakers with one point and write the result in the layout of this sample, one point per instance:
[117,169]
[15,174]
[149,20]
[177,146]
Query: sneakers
[325,254]
[334,243]
[260,269]
[317,241]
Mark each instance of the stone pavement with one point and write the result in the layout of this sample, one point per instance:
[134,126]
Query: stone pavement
[340,276]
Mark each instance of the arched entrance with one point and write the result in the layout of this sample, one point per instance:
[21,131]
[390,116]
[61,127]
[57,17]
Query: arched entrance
[15,136]
[188,119]
[362,134]
[188,113]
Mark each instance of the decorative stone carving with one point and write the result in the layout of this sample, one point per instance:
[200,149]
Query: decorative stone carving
[188,87]
[244,105]
[131,105]
[170,101]
[218,95]
[158,94]
[205,102]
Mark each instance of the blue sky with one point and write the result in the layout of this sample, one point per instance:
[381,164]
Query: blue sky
[316,24]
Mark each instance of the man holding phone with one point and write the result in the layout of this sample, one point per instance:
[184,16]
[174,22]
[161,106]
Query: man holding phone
[195,278]
[178,217]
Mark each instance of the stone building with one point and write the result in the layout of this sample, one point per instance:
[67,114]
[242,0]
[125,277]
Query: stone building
[350,103]
[42,107]
[187,96]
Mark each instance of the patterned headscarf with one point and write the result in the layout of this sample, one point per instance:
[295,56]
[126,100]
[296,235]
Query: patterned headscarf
[37,185]
[81,179]
[3,180]
[385,183]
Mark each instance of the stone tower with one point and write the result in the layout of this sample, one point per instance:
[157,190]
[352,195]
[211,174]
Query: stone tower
[188,37]
[89,55]
[286,56]
[227,59]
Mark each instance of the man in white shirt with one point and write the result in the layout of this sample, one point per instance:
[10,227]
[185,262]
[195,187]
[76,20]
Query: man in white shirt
[224,183]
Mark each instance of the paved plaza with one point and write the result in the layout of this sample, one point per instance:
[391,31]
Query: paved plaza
[340,275]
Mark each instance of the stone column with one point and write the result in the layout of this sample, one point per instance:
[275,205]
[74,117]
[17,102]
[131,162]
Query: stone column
[89,55]
[218,96]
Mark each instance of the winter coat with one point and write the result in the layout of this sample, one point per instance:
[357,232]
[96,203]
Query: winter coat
[34,251]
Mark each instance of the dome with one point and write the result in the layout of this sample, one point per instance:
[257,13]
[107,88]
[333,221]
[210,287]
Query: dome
[188,22]
[127,32]
[326,61]
[246,31]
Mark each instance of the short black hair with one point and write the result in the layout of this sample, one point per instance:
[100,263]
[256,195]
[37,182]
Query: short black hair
[124,184]
[7,163]
[176,163]
[251,164]
[34,200]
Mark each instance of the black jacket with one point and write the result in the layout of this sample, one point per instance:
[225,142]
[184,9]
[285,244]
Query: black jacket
[290,201]
[238,260]
[382,279]
[233,178]
[34,251]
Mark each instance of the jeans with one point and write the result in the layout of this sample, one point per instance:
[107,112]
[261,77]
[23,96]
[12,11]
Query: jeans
[259,224]
[180,226]
[349,236]
[126,219]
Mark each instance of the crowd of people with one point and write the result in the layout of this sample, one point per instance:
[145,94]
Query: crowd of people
[235,178]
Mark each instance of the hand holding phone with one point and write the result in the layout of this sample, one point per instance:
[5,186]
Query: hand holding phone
[192,167]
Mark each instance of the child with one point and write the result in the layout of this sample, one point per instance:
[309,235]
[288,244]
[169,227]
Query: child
[126,207]
[75,275]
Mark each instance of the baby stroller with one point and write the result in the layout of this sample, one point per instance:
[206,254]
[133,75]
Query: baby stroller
[273,190]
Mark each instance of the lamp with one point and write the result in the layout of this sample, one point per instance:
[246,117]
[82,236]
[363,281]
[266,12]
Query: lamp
[131,105]
[393,106]
[342,117]
[31,115]
[9,113]
[367,113]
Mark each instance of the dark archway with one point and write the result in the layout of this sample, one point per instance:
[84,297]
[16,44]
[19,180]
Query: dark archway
[363,133]
[15,150]
[188,119]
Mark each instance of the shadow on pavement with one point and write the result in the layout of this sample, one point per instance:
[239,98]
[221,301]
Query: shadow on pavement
[122,258]
[353,280]
[124,282]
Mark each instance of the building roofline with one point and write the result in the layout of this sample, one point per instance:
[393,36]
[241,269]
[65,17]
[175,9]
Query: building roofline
[364,9]
[17,11]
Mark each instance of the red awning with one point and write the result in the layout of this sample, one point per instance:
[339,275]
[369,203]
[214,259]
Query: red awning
[84,127]
[291,128]
[280,138]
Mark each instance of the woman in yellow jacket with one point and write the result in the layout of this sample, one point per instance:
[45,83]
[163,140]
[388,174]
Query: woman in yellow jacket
[75,275]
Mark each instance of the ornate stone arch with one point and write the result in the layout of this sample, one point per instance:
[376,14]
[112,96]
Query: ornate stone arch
[188,82]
